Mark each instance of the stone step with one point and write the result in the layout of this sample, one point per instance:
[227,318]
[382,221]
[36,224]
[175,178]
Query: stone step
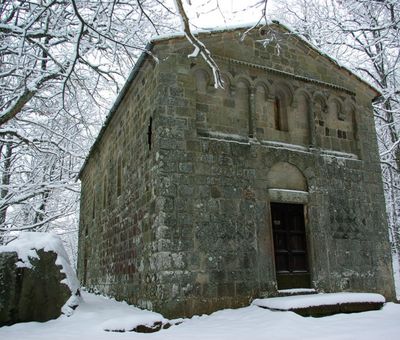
[323,304]
[296,291]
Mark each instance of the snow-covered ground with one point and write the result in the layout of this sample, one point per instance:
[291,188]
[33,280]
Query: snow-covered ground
[96,313]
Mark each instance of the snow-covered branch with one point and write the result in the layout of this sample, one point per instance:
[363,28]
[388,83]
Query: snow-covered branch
[199,47]
[61,63]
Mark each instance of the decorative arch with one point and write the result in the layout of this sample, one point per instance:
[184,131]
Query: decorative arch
[319,96]
[262,94]
[301,92]
[285,90]
[241,114]
[263,85]
[282,100]
[242,92]
[335,109]
[303,116]
[286,176]
[228,83]
[302,104]
[202,79]
[242,78]
[242,82]
[319,105]
[350,108]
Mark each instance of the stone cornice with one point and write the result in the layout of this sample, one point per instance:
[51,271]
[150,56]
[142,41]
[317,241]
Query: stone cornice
[286,74]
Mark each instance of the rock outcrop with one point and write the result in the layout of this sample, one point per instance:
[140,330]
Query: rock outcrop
[35,284]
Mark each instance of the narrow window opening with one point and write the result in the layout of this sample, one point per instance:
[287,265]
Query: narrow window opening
[94,207]
[150,132]
[277,113]
[105,192]
[119,177]
[280,113]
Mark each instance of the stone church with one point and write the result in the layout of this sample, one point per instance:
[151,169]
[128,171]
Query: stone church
[196,198]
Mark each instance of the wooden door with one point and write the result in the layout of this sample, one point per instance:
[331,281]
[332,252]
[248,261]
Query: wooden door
[290,246]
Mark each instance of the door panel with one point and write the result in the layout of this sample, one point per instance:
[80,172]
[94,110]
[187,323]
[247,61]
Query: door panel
[290,246]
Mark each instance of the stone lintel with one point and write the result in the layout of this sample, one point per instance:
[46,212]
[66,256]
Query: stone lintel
[288,196]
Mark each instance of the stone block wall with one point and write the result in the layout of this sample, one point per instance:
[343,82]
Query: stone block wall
[118,205]
[191,231]
[217,197]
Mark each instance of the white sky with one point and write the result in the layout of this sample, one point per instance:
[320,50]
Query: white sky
[212,13]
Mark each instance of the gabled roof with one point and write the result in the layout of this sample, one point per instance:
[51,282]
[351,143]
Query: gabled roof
[180,35]
[286,27]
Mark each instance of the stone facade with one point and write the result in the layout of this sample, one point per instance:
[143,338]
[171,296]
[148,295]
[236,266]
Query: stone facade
[178,190]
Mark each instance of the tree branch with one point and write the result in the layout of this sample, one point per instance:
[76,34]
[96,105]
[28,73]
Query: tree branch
[199,47]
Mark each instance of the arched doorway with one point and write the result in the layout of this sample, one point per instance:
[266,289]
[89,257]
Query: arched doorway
[288,203]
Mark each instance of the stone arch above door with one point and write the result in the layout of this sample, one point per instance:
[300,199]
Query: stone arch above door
[286,183]
[286,176]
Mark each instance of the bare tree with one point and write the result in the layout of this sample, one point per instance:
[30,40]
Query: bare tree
[61,63]
[199,47]
[53,46]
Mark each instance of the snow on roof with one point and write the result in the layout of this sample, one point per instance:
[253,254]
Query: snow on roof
[311,300]
[258,24]
[26,246]
[214,29]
